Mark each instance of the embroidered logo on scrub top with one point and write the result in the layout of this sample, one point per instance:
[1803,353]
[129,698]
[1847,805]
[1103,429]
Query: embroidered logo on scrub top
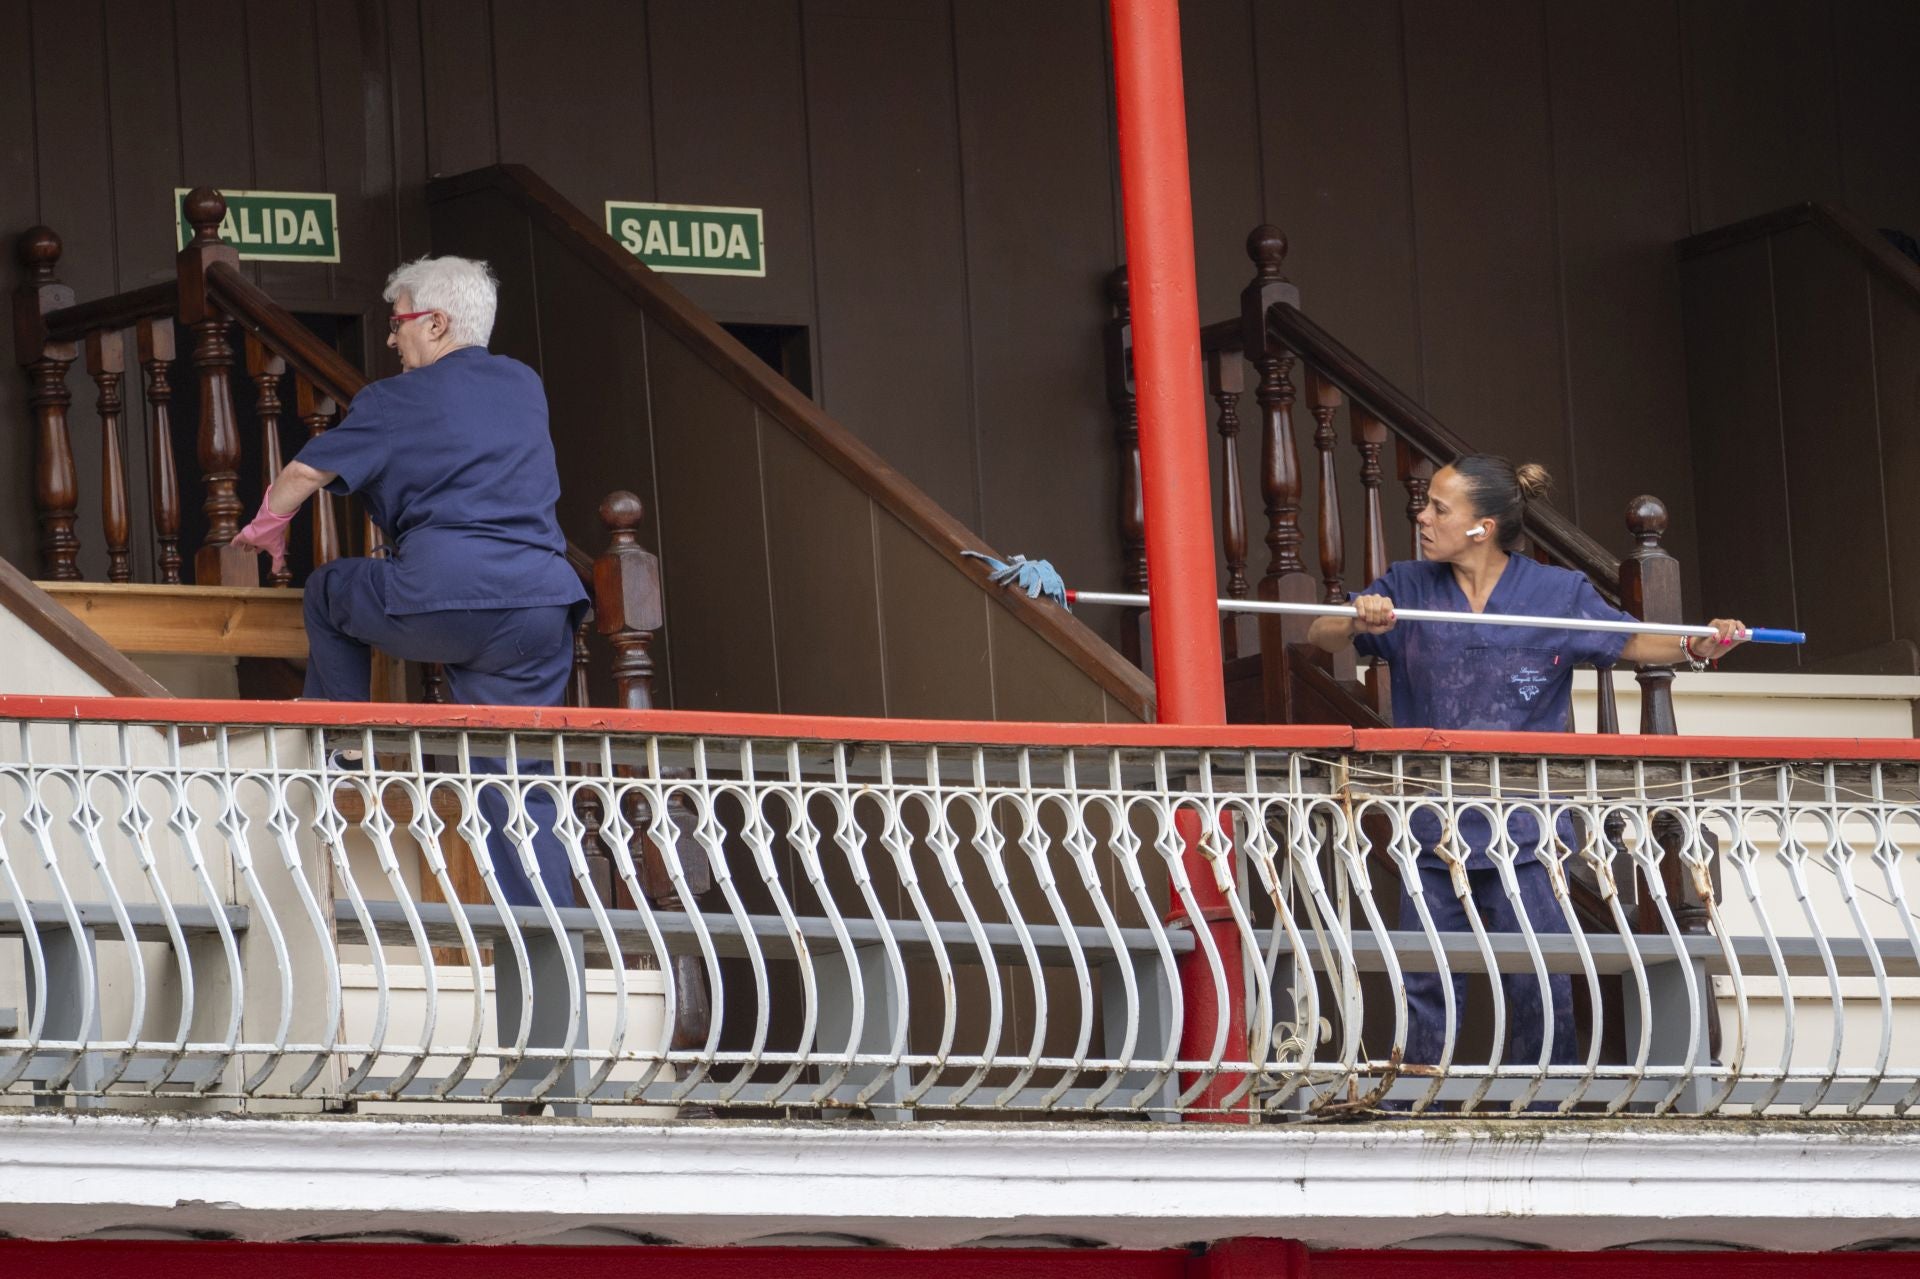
[1529,681]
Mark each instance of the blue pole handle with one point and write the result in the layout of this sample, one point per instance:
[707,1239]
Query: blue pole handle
[1768,635]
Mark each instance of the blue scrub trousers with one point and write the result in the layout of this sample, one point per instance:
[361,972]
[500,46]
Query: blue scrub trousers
[492,657]
[1426,1006]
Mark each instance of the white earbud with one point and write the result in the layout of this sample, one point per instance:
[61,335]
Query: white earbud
[1476,532]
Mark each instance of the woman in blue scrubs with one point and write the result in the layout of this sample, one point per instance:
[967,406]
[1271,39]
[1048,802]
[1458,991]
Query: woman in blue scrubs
[453,458]
[1462,676]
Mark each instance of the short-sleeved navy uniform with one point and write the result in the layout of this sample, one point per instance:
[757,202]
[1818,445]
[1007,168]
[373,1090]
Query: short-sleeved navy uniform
[1461,675]
[455,461]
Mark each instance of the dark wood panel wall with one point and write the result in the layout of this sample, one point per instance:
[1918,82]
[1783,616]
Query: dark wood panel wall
[1482,195]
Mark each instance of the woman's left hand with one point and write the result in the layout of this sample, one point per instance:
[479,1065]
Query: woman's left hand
[1731,635]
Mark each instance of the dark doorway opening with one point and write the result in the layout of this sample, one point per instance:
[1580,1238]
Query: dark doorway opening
[781,347]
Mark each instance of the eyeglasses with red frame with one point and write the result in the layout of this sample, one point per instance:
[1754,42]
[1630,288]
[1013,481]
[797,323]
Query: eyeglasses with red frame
[395,321]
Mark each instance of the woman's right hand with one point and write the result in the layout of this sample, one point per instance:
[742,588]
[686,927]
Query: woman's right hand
[1373,615]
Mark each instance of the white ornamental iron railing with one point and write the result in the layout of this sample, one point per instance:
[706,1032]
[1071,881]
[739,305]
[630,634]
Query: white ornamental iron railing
[216,907]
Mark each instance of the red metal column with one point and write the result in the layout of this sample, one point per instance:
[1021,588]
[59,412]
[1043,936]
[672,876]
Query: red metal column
[1173,457]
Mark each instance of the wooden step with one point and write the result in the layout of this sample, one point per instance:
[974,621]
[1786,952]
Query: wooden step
[228,621]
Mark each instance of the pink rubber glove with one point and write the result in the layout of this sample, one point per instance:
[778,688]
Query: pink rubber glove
[267,532]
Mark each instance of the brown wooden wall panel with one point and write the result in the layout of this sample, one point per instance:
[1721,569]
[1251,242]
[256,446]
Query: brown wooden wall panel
[730,128]
[284,88]
[1033,681]
[1048,468]
[1836,512]
[1879,98]
[939,662]
[826,596]
[460,104]
[1734,409]
[713,537]
[1896,347]
[1484,220]
[599,54]
[889,242]
[1761,121]
[19,209]
[1620,197]
[1224,124]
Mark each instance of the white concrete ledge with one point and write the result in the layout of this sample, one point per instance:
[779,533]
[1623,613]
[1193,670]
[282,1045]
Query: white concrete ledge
[1773,1185]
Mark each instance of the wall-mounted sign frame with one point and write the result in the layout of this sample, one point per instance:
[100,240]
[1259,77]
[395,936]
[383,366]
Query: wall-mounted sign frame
[691,239]
[272,226]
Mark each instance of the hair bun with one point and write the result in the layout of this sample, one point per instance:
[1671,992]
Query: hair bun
[1532,479]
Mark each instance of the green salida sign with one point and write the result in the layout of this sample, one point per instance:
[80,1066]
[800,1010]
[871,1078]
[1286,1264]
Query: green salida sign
[272,226]
[691,239]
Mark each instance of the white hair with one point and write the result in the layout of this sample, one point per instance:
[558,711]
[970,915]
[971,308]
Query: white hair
[463,288]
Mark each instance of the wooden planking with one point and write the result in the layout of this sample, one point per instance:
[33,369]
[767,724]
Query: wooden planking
[19,209]
[1223,145]
[457,58]
[889,243]
[729,128]
[1762,127]
[1828,417]
[283,83]
[1621,198]
[1048,468]
[826,596]
[1879,98]
[1740,479]
[76,199]
[1483,204]
[713,537]
[1033,681]
[599,53]
[1896,347]
[405,74]
[216,126]
[937,654]
[355,109]
[234,621]
[488,228]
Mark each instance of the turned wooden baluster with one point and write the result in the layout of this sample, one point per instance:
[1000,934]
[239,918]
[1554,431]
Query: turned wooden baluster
[1416,473]
[1286,577]
[154,340]
[107,366]
[266,369]
[1126,420]
[56,485]
[577,692]
[626,599]
[1370,438]
[315,411]
[1226,379]
[433,684]
[1327,399]
[217,563]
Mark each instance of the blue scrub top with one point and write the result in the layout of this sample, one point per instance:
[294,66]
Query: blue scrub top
[454,461]
[1462,676]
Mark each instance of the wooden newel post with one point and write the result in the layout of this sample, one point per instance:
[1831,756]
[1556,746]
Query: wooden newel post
[217,563]
[626,599]
[56,486]
[1650,590]
[1126,426]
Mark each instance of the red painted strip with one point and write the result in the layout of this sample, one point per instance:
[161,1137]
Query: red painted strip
[942,731]
[986,732]
[1229,1259]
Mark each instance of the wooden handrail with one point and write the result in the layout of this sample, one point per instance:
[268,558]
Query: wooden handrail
[1289,327]
[793,412]
[1837,221]
[253,310]
[122,310]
